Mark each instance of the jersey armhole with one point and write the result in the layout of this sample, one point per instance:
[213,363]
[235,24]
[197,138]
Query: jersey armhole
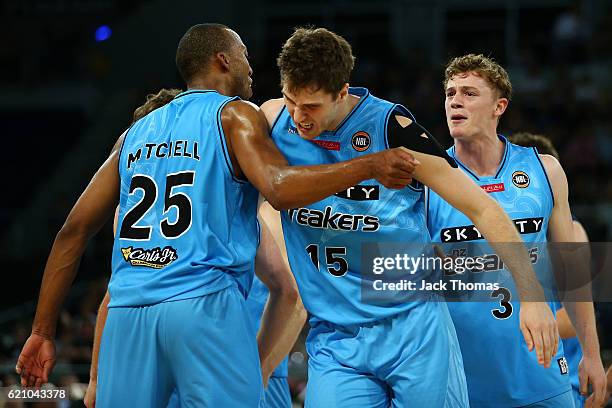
[222,138]
[121,147]
[552,194]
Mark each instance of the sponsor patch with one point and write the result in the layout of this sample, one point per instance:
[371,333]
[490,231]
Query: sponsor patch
[360,193]
[520,179]
[155,258]
[563,367]
[471,233]
[327,144]
[361,141]
[493,188]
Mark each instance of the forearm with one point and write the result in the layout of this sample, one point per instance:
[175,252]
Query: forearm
[295,186]
[566,329]
[582,316]
[282,321]
[100,322]
[60,271]
[495,225]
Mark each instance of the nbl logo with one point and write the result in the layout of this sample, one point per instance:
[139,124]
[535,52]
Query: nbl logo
[520,179]
[361,141]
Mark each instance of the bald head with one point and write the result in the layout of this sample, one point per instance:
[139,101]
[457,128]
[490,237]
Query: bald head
[198,47]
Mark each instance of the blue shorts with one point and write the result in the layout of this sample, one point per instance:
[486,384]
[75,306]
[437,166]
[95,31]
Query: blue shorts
[277,394]
[579,400]
[408,360]
[565,400]
[189,345]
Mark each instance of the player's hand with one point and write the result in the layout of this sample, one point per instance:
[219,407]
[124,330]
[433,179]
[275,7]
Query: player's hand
[90,395]
[591,371]
[394,168]
[36,361]
[539,328]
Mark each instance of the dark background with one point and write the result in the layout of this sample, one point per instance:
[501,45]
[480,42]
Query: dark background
[66,96]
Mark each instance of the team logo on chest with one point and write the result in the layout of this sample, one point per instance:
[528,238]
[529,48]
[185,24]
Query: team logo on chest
[361,141]
[520,179]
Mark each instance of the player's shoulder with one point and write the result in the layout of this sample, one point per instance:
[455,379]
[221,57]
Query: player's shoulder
[555,173]
[239,110]
[552,166]
[272,108]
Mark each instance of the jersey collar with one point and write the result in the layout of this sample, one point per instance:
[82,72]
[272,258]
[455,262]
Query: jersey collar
[501,167]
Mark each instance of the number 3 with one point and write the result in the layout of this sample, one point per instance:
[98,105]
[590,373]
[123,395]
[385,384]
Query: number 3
[504,302]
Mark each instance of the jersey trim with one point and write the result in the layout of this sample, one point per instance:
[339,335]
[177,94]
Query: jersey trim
[226,156]
[503,163]
[552,194]
[121,148]
[193,91]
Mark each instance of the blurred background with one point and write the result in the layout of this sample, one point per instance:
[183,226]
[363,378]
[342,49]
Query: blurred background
[73,71]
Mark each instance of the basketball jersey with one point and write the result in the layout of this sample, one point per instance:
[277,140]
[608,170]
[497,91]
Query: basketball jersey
[324,240]
[255,303]
[498,365]
[187,225]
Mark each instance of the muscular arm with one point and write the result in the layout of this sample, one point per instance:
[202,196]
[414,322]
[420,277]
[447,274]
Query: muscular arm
[89,214]
[561,229]
[257,158]
[284,315]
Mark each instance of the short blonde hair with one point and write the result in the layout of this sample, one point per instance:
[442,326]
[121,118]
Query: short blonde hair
[485,67]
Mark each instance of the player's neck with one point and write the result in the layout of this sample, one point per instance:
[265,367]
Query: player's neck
[218,84]
[344,110]
[482,155]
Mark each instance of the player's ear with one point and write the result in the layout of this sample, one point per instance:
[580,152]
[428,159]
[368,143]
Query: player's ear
[343,94]
[500,107]
[222,59]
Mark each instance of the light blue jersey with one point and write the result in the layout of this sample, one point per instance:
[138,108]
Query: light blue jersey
[499,368]
[183,263]
[187,226]
[364,353]
[324,239]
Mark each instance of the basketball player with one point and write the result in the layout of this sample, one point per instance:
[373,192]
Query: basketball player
[363,354]
[186,177]
[292,314]
[498,363]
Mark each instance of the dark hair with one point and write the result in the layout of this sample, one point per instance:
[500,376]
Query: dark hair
[540,142]
[316,57]
[485,67]
[155,101]
[197,47]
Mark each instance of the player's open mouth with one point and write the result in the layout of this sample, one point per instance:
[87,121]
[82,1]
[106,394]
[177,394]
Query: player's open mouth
[305,127]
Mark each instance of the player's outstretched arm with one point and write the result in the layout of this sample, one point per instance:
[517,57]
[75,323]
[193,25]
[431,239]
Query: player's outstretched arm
[537,321]
[89,214]
[582,315]
[258,159]
[284,315]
